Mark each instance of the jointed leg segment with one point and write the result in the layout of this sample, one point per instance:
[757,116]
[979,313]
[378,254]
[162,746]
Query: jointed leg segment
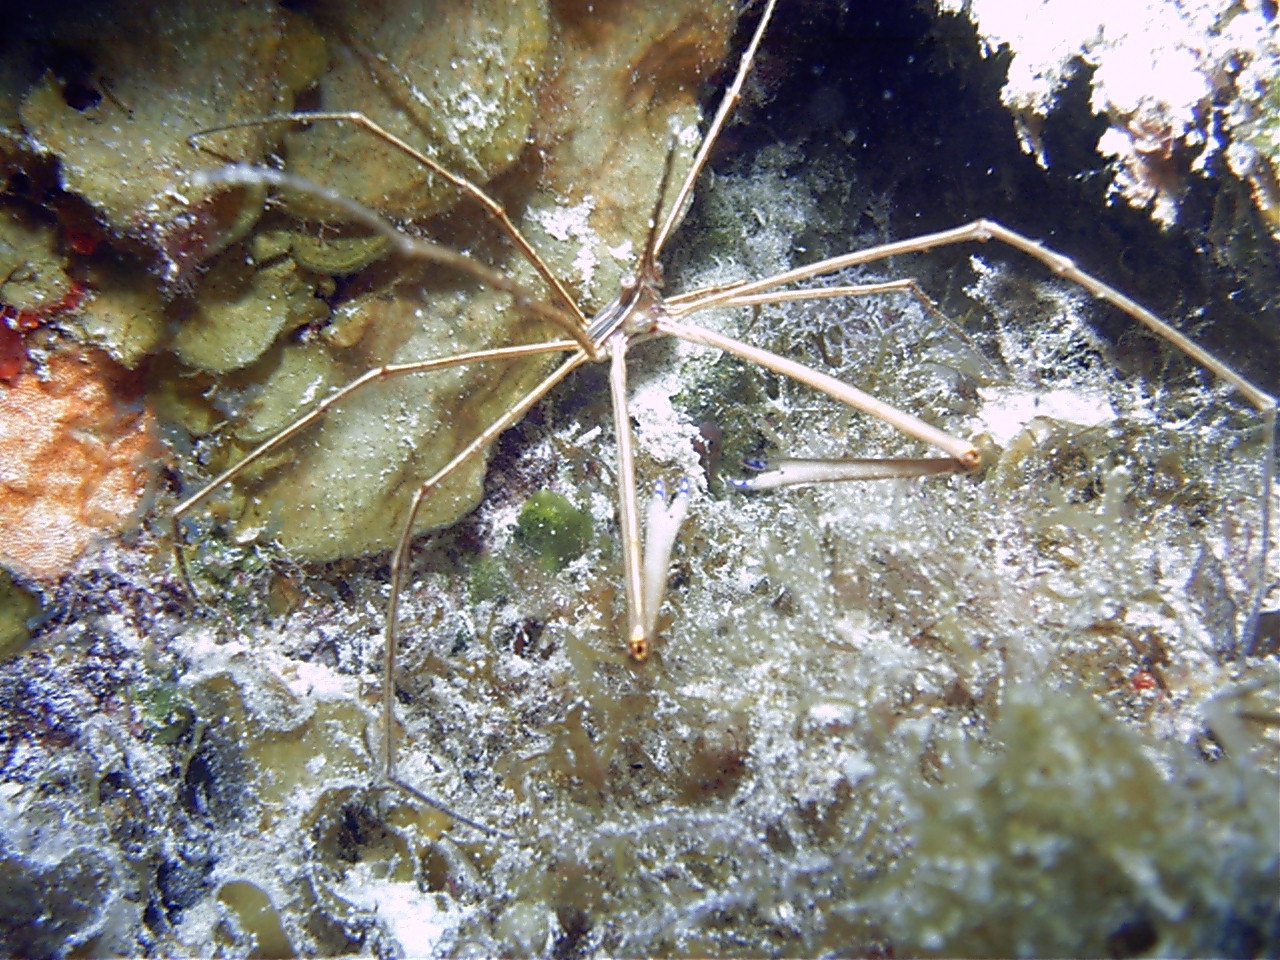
[962,451]
[399,561]
[638,638]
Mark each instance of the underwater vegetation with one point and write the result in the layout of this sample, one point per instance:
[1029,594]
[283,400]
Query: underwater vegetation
[1028,712]
[553,528]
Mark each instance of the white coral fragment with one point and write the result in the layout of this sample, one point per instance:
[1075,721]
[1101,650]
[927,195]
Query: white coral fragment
[1159,67]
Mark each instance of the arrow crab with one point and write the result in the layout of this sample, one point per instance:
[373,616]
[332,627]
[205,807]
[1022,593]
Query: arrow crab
[805,625]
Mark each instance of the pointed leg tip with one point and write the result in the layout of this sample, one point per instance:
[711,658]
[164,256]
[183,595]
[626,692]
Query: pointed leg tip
[638,645]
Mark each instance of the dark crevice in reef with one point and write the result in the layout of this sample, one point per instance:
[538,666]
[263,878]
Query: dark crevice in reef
[901,98]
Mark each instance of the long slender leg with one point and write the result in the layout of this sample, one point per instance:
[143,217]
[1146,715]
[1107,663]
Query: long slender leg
[980,231]
[492,207]
[906,285]
[644,566]
[574,323]
[379,373]
[962,451]
[792,471]
[399,562]
[713,132]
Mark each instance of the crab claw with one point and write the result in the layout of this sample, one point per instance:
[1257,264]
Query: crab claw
[660,537]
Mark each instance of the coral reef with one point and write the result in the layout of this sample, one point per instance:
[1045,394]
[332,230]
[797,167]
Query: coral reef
[131,82]
[458,80]
[573,191]
[1020,712]
[1179,95]
[1073,812]
[548,119]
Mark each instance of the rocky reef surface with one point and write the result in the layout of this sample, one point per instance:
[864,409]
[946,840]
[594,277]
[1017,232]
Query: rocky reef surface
[1026,712]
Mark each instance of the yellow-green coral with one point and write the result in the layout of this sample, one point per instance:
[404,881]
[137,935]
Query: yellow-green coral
[456,80]
[585,214]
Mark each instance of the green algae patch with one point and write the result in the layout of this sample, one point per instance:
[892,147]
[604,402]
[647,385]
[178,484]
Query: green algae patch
[553,528]
[487,580]
[17,608]
[165,713]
